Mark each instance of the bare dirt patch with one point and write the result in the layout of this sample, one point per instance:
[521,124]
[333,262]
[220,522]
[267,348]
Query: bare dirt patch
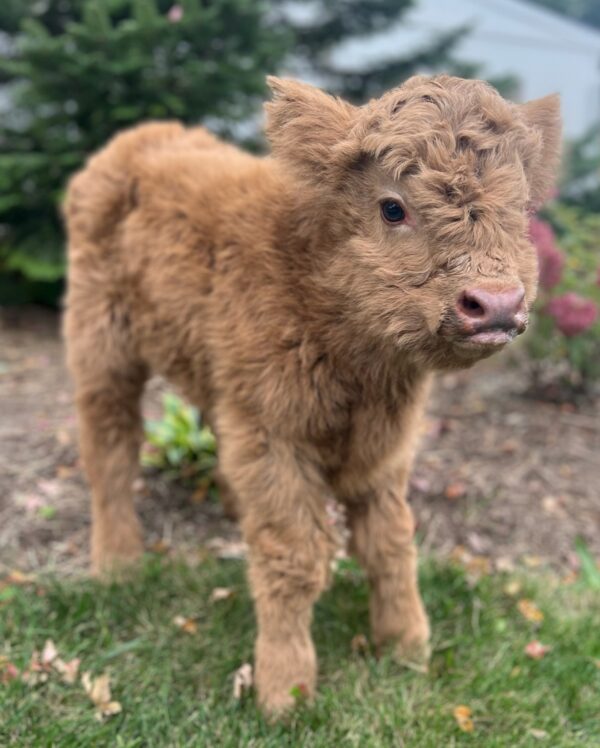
[506,477]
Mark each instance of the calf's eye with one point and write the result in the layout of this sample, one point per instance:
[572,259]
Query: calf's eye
[392,211]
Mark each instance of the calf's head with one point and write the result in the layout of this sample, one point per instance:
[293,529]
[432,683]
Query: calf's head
[418,204]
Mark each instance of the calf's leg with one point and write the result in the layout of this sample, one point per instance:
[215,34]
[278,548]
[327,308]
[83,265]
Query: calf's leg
[382,529]
[290,543]
[108,405]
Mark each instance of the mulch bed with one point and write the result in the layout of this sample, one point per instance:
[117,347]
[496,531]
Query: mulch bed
[500,476]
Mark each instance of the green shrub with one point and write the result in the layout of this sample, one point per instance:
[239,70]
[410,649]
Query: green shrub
[564,340]
[80,70]
[180,443]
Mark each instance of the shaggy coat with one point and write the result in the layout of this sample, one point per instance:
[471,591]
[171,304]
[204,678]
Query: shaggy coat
[301,301]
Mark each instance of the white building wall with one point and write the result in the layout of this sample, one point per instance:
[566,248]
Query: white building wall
[547,52]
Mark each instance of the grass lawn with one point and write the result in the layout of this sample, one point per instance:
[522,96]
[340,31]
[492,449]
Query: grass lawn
[175,688]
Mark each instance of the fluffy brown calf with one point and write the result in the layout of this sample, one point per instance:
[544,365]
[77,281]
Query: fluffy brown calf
[301,301]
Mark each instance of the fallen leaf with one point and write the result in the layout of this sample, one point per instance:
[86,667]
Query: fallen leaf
[536,650]
[463,717]
[221,593]
[505,564]
[8,671]
[530,611]
[19,578]
[68,670]
[98,691]
[455,490]
[50,488]
[512,588]
[420,483]
[570,577]
[40,665]
[532,561]
[242,680]
[63,437]
[160,546]
[186,624]
[510,446]
[538,734]
[359,644]
[33,502]
[229,549]
[200,494]
[64,472]
[49,653]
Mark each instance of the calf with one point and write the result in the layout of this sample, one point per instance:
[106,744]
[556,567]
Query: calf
[302,301]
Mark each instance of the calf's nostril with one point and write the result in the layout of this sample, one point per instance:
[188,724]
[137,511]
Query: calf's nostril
[470,306]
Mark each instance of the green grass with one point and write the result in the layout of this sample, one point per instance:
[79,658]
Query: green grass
[176,688]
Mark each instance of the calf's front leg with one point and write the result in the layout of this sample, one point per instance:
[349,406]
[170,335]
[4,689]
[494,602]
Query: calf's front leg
[282,503]
[382,530]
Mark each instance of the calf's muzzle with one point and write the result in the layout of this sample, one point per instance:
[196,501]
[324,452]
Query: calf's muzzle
[491,315]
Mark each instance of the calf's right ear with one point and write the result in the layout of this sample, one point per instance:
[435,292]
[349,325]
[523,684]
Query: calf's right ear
[304,124]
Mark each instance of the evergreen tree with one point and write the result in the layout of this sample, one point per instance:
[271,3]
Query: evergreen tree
[84,69]
[331,22]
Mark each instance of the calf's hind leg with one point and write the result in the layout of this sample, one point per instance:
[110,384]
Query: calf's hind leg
[108,404]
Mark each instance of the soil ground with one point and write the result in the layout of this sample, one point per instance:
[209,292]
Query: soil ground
[500,477]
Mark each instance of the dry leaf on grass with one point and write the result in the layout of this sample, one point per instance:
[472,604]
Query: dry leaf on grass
[159,546]
[8,671]
[40,665]
[186,624]
[512,588]
[529,610]
[98,691]
[242,680]
[19,578]
[49,653]
[538,734]
[463,717]
[536,650]
[534,562]
[228,549]
[68,670]
[221,593]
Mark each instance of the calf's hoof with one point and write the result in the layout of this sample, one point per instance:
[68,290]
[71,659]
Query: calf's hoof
[285,678]
[116,561]
[414,654]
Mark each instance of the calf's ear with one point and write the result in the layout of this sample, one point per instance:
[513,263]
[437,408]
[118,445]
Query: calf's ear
[304,124]
[543,116]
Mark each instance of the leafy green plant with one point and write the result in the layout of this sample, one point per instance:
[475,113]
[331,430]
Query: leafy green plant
[77,71]
[180,443]
[564,341]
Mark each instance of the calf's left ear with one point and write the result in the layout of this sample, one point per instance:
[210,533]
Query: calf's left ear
[304,124]
[541,167]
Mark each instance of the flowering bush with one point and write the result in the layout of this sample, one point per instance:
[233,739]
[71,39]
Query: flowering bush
[565,335]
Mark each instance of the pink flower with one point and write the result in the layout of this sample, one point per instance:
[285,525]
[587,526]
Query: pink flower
[551,259]
[175,14]
[572,313]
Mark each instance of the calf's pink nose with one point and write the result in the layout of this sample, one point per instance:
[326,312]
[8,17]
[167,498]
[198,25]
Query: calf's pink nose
[482,309]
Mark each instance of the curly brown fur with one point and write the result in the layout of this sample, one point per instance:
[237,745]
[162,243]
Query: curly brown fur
[273,294]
